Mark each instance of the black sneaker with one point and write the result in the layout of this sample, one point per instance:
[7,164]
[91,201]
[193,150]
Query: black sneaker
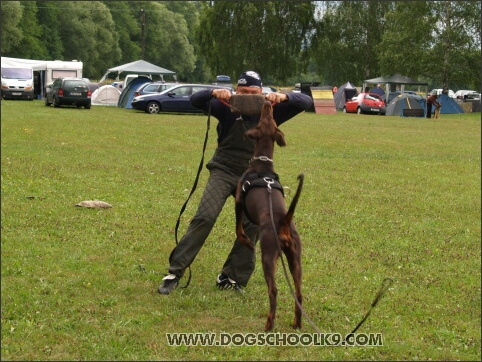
[169,283]
[224,282]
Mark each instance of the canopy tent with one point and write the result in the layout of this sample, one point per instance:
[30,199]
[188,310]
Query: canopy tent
[398,79]
[140,67]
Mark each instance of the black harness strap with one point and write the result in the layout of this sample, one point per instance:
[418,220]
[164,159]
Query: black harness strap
[257,179]
[201,163]
[261,179]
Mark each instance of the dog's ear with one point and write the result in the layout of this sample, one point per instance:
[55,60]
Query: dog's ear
[280,138]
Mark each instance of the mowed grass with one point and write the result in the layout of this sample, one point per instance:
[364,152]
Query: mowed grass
[384,197]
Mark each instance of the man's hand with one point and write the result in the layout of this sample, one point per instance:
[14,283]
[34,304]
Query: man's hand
[222,93]
[276,97]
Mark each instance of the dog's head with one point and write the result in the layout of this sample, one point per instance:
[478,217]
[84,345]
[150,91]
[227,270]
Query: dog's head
[267,127]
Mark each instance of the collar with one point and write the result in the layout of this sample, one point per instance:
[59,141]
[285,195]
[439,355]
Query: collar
[261,158]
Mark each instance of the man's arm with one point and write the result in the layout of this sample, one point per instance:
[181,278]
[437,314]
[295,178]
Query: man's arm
[295,104]
[201,99]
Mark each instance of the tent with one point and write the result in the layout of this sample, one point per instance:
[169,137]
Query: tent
[449,105]
[140,67]
[106,95]
[396,79]
[346,91]
[127,94]
[403,102]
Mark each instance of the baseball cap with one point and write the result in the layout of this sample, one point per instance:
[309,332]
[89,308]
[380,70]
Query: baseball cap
[250,79]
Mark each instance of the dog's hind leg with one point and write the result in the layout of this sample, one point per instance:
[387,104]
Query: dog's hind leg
[270,254]
[293,255]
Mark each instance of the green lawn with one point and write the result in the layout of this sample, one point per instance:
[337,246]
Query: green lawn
[384,197]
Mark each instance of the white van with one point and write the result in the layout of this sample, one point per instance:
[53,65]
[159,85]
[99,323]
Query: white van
[17,83]
[461,93]
[439,92]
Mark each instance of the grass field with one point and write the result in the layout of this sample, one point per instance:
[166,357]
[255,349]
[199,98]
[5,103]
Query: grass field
[384,197]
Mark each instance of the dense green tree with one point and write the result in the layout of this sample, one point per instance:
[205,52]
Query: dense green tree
[455,54]
[29,45]
[128,29]
[166,39]
[407,39]
[435,41]
[89,35]
[49,18]
[11,32]
[190,12]
[344,46]
[269,37]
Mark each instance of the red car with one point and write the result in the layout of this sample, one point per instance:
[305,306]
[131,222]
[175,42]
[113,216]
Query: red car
[365,103]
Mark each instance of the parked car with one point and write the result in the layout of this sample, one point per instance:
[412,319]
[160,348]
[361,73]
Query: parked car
[474,96]
[365,103]
[224,80]
[438,91]
[154,87]
[68,91]
[175,99]
[461,93]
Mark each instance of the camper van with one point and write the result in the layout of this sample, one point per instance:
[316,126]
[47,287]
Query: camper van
[44,72]
[17,83]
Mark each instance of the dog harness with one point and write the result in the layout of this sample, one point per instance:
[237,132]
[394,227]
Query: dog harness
[261,179]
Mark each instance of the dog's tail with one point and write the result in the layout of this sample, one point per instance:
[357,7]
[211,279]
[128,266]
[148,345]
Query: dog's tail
[291,210]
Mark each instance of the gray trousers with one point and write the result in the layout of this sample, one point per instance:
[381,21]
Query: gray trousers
[240,262]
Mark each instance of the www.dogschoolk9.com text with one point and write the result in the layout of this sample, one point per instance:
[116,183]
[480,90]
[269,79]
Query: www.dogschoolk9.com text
[275,339]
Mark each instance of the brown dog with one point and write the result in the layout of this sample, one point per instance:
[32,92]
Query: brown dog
[437,110]
[260,195]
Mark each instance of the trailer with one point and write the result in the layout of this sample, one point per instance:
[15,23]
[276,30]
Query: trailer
[45,71]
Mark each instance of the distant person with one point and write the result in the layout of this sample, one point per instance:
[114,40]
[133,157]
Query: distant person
[431,100]
[378,90]
[334,89]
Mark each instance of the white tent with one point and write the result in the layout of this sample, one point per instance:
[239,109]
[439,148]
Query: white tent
[106,95]
[140,67]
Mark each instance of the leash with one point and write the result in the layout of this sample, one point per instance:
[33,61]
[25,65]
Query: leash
[387,282]
[200,167]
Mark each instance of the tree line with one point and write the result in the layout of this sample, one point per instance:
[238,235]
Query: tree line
[330,42]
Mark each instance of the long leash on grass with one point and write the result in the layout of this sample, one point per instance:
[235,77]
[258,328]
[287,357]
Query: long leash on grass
[386,283]
[196,180]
